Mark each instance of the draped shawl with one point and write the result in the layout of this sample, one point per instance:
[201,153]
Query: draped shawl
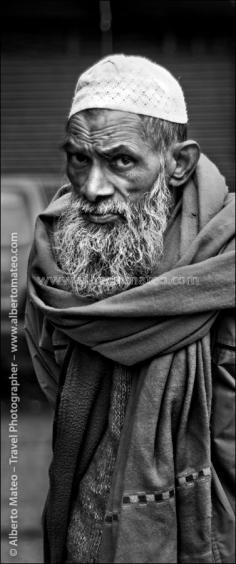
[160,505]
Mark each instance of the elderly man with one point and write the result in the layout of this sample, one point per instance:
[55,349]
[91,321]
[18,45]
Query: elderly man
[128,321]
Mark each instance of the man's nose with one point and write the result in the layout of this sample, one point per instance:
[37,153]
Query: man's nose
[97,185]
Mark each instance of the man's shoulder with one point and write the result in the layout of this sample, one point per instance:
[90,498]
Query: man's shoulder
[64,189]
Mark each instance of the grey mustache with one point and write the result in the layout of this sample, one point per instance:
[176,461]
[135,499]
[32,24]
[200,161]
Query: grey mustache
[102,210]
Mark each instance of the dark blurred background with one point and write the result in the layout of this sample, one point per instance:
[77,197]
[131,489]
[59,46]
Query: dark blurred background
[45,46]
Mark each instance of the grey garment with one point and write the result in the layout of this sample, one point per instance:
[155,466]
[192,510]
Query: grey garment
[87,517]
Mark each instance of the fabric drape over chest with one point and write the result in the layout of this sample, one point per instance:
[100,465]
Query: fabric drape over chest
[159,331]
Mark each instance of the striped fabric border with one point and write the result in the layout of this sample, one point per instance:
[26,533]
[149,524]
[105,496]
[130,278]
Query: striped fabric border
[111,517]
[146,497]
[191,478]
[142,498]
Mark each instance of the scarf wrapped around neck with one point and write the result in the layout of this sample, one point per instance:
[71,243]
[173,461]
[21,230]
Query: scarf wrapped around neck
[160,504]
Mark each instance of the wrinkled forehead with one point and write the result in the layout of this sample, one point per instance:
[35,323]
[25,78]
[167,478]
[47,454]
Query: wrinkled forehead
[95,120]
[103,128]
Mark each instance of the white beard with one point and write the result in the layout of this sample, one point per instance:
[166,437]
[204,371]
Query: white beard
[100,260]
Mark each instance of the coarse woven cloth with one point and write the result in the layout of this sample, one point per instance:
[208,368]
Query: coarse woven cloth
[160,505]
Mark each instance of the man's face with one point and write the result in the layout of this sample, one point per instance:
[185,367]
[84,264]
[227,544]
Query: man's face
[110,238]
[109,157]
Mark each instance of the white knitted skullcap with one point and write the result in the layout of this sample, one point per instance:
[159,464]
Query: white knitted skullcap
[131,84]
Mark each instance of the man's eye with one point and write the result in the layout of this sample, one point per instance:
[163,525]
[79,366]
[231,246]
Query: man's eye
[123,161]
[78,158]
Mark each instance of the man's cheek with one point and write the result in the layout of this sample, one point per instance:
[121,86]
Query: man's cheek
[74,177]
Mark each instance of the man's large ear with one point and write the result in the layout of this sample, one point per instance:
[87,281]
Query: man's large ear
[184,160]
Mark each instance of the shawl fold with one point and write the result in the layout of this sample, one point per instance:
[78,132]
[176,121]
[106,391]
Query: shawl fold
[160,504]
